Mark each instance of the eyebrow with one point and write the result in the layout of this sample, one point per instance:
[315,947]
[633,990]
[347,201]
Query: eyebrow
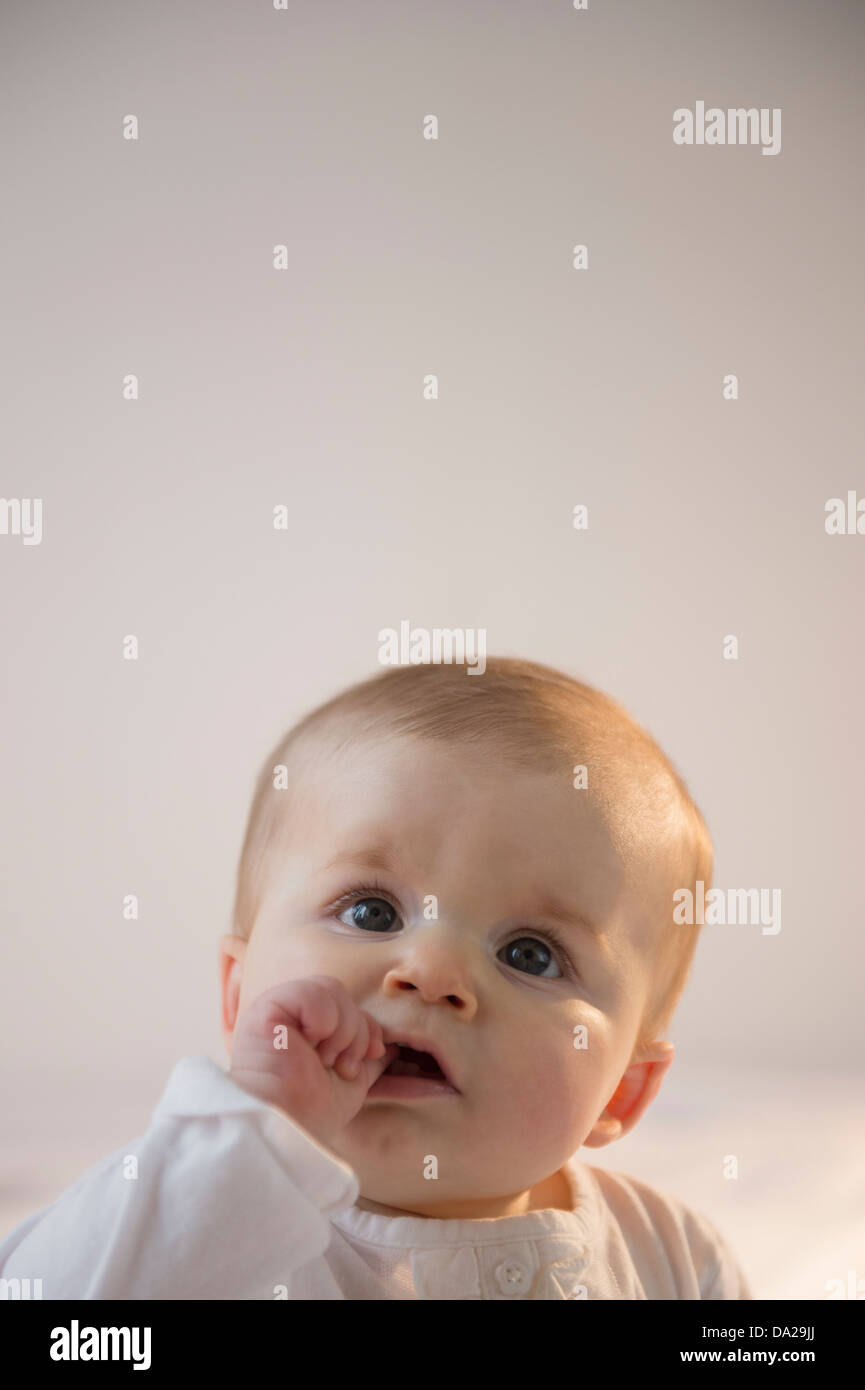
[382,858]
[551,907]
[376,857]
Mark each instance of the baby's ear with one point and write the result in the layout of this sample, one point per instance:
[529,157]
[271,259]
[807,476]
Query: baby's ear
[232,951]
[633,1095]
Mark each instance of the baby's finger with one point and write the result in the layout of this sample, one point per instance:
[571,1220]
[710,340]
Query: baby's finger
[372,1067]
[376,1038]
[343,1034]
[351,1057]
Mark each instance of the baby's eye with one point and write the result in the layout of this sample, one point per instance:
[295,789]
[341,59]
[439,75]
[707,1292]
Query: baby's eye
[372,913]
[531,952]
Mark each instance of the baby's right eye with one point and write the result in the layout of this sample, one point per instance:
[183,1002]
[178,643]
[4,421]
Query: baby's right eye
[374,914]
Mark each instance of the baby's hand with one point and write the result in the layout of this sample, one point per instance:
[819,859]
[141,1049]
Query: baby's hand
[306,1047]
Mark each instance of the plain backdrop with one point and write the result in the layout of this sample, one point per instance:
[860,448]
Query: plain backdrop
[304,387]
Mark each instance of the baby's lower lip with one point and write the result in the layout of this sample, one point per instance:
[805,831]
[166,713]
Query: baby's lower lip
[409,1088]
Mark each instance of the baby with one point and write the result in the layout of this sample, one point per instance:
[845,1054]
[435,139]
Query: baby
[452,963]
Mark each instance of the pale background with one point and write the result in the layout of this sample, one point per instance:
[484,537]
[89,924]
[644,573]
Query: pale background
[304,387]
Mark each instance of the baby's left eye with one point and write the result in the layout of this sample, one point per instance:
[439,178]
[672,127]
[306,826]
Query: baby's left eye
[375,914]
[530,951]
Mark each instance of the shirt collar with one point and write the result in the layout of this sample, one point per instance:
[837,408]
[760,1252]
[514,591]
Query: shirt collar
[391,1226]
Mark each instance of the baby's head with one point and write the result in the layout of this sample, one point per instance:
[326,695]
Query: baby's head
[522,916]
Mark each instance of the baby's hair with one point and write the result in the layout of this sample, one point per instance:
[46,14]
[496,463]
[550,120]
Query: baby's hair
[528,716]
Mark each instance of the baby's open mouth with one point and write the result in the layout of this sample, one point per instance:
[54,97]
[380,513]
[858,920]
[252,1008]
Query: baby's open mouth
[412,1063]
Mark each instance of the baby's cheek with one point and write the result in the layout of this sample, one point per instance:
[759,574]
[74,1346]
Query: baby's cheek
[550,1083]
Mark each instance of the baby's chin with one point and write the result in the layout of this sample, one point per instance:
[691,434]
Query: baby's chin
[397,1197]
[461,1202]
[381,1208]
[403,1172]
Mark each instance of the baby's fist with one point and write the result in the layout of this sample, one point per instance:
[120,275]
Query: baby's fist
[306,1047]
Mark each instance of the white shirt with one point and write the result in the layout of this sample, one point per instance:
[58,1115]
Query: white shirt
[234,1200]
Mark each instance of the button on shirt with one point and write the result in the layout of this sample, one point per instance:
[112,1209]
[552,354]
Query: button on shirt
[233,1199]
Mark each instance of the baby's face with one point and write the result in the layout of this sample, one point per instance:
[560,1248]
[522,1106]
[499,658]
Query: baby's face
[537,935]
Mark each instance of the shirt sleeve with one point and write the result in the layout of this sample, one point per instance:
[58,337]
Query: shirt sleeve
[723,1277]
[224,1197]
